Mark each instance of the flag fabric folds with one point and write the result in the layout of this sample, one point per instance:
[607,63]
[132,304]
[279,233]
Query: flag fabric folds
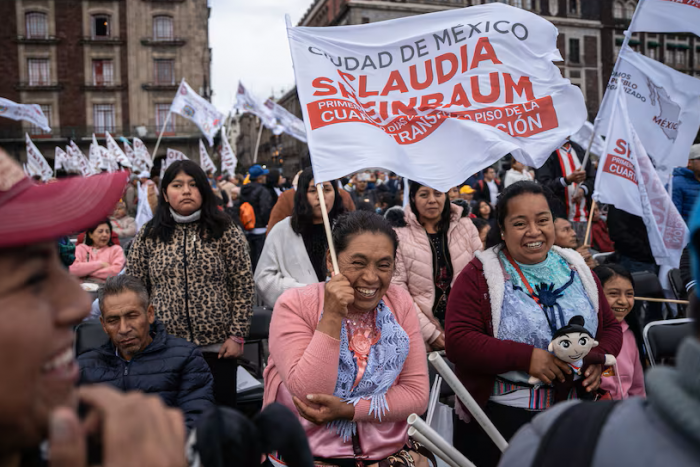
[228,157]
[286,122]
[667,16]
[627,179]
[36,163]
[82,162]
[31,113]
[246,102]
[205,161]
[171,156]
[434,97]
[115,152]
[195,108]
[141,152]
[664,108]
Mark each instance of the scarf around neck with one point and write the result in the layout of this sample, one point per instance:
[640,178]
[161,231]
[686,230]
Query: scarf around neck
[186,219]
[384,365]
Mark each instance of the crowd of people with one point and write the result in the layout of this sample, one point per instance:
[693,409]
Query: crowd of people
[487,272]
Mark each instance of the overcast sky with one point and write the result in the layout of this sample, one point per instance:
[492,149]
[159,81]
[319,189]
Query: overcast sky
[249,43]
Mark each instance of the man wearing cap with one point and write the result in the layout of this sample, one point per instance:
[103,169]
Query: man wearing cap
[686,184]
[467,193]
[40,303]
[259,197]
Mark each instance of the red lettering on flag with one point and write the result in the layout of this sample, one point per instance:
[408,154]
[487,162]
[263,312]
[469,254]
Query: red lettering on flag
[695,3]
[620,167]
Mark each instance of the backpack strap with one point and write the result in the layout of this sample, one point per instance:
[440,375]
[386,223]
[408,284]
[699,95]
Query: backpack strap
[572,438]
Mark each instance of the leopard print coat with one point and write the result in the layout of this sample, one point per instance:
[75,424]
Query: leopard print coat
[202,290]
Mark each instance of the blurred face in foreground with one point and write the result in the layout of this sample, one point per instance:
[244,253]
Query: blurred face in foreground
[40,302]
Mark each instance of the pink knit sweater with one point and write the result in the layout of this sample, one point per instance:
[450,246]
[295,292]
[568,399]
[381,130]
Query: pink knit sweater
[305,361]
[88,262]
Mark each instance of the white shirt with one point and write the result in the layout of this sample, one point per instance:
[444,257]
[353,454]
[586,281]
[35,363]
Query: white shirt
[513,176]
[493,191]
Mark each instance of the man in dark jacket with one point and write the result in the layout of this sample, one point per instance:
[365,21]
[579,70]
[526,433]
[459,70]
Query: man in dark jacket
[259,197]
[570,184]
[142,356]
[629,233]
[686,184]
[489,188]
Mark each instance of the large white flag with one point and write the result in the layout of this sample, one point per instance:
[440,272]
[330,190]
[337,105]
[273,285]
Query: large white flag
[664,107]
[627,179]
[201,112]
[36,163]
[29,112]
[80,160]
[115,152]
[247,102]
[228,157]
[205,161]
[287,122]
[434,97]
[171,156]
[667,16]
[142,153]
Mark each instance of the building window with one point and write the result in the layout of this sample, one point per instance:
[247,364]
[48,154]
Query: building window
[365,20]
[39,74]
[652,53]
[681,58]
[518,3]
[37,25]
[103,115]
[630,10]
[574,55]
[35,130]
[164,72]
[618,10]
[162,28]
[100,26]
[573,7]
[102,72]
[162,111]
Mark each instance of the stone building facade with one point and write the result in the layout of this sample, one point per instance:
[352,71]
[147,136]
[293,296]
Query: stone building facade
[102,65]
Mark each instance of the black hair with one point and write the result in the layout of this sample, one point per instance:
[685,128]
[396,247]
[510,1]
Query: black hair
[444,223]
[575,325]
[88,240]
[480,224]
[513,191]
[123,283]
[606,272]
[302,214]
[477,211]
[358,222]
[212,221]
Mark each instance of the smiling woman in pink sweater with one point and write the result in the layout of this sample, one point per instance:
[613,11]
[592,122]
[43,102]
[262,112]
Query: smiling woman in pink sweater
[348,356]
[98,258]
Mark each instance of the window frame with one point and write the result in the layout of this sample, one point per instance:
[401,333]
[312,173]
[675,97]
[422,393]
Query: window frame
[44,72]
[102,125]
[27,26]
[110,75]
[570,55]
[157,63]
[161,113]
[93,25]
[158,22]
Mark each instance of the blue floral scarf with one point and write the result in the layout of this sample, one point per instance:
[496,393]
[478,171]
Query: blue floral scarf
[384,365]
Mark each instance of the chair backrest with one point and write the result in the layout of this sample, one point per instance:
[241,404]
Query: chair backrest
[646,284]
[260,323]
[676,281]
[662,338]
[89,335]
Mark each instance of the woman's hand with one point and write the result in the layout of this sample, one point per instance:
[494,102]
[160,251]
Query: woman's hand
[546,367]
[593,376]
[338,295]
[230,349]
[105,265]
[323,408]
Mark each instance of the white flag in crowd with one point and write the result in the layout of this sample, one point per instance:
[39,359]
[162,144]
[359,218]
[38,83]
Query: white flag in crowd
[62,161]
[667,16]
[246,102]
[201,112]
[142,153]
[115,152]
[100,158]
[287,122]
[583,136]
[434,97]
[627,179]
[143,208]
[29,112]
[228,157]
[36,163]
[205,161]
[664,107]
[171,156]
[80,160]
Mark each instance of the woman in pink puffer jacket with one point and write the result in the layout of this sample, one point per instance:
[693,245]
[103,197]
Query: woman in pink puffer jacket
[435,244]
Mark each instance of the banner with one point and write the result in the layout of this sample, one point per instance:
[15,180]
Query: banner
[228,157]
[142,153]
[627,179]
[667,16]
[115,152]
[36,163]
[205,161]
[201,112]
[31,113]
[664,106]
[80,160]
[583,136]
[434,97]
[287,122]
[172,156]
[246,102]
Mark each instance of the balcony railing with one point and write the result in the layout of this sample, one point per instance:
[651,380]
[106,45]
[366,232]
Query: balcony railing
[160,87]
[104,87]
[101,40]
[47,40]
[46,86]
[172,42]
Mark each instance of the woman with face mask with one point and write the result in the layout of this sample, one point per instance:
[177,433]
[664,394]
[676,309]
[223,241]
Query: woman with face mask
[504,310]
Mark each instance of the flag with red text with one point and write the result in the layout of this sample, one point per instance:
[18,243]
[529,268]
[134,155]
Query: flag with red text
[36,163]
[433,97]
[205,161]
[200,111]
[228,157]
[667,16]
[31,113]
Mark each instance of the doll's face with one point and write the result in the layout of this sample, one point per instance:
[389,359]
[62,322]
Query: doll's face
[572,347]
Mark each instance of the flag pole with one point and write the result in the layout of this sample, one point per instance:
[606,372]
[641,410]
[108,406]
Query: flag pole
[625,42]
[327,225]
[167,119]
[590,223]
[257,145]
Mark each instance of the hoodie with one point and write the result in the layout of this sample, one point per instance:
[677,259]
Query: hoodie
[685,191]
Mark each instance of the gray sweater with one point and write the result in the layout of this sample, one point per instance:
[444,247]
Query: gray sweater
[664,431]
